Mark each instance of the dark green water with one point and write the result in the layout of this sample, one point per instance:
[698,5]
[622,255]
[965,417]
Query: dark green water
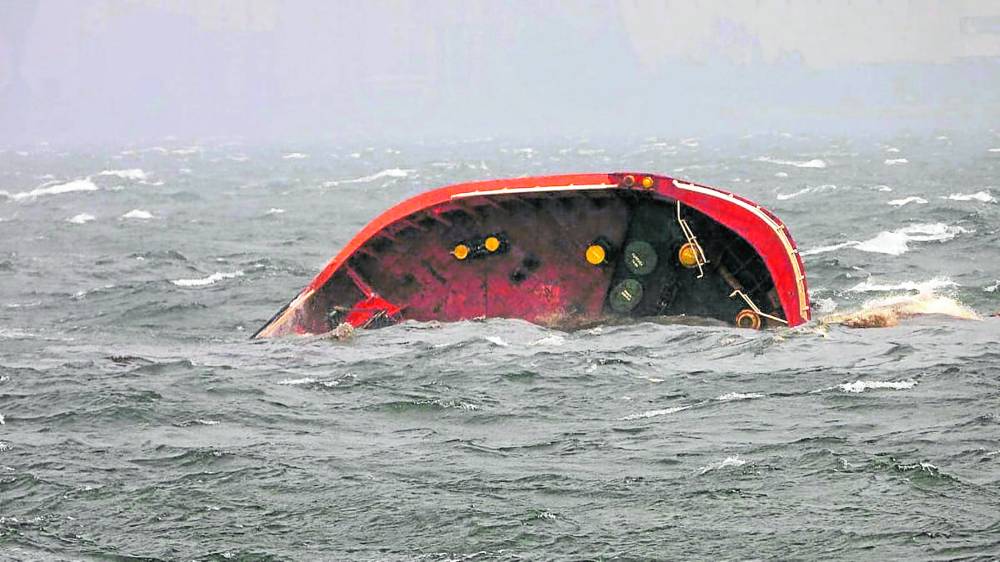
[139,421]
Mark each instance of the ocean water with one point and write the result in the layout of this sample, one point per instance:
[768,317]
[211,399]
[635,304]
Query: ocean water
[137,421]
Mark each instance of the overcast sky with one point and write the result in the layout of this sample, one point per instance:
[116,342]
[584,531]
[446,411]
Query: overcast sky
[105,70]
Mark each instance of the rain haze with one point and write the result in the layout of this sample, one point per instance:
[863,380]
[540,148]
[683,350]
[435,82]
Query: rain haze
[486,280]
[116,69]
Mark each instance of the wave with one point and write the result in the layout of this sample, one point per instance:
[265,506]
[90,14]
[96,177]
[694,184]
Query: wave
[897,242]
[85,184]
[731,396]
[860,386]
[992,288]
[393,173]
[803,191]
[134,174]
[138,214]
[274,211]
[994,150]
[907,201]
[728,462]
[887,312]
[814,163]
[928,286]
[982,196]
[895,161]
[653,413]
[295,156]
[205,281]
[830,248]
[82,218]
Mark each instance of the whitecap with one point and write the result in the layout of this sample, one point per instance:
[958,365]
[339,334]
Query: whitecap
[205,281]
[14,333]
[295,156]
[274,211]
[803,191]
[138,214]
[982,196]
[297,382]
[860,386]
[994,150]
[4,446]
[814,163]
[732,461]
[690,143]
[82,218]
[781,174]
[85,184]
[185,151]
[992,288]
[897,242]
[883,188]
[731,396]
[553,340]
[2,421]
[134,174]
[824,306]
[892,149]
[496,340]
[895,161]
[830,248]
[653,413]
[907,201]
[393,173]
[929,286]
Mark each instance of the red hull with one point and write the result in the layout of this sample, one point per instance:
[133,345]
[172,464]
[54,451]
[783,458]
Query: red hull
[403,264]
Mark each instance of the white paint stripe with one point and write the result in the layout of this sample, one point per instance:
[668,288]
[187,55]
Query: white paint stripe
[539,189]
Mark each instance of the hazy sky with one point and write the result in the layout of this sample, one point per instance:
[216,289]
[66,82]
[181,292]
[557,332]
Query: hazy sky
[102,70]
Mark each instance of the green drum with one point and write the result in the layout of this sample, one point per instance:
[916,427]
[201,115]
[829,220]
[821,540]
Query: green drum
[640,257]
[626,296]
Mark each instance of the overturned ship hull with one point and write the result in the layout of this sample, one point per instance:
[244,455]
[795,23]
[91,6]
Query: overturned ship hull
[560,251]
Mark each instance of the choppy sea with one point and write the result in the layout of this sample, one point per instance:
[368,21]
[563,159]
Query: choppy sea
[137,421]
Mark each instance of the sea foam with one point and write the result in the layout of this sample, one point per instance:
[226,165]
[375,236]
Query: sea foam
[929,286]
[982,196]
[731,396]
[82,218]
[728,462]
[85,184]
[897,242]
[134,174]
[205,281]
[860,386]
[653,413]
[907,201]
[392,173]
[814,163]
[138,214]
[805,190]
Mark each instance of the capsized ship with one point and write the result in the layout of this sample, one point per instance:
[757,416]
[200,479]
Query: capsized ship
[564,251]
